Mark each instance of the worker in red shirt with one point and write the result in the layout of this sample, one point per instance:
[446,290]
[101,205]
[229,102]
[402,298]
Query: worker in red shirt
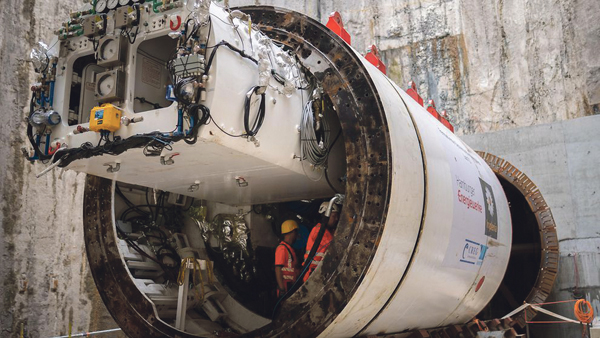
[331,223]
[286,271]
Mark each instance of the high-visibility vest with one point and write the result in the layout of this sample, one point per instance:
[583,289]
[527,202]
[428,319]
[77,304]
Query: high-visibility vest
[285,254]
[325,241]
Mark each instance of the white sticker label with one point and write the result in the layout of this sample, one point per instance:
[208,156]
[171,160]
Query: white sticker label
[474,213]
[151,72]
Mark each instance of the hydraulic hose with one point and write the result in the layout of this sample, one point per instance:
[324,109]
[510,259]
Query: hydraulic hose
[36,149]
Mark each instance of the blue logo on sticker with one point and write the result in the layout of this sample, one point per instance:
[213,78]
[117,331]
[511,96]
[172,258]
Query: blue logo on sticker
[99,114]
[473,252]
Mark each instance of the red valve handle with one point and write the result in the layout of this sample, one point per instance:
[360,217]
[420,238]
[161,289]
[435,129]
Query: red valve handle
[174,28]
[51,151]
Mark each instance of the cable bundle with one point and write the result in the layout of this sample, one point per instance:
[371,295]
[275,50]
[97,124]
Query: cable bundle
[312,148]
[584,311]
[260,116]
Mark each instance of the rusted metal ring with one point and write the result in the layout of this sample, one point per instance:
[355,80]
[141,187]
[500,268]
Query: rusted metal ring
[133,312]
[547,228]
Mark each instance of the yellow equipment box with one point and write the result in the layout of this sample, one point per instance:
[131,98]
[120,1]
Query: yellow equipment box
[106,117]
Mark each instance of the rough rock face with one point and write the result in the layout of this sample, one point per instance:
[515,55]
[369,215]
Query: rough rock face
[492,65]
[44,279]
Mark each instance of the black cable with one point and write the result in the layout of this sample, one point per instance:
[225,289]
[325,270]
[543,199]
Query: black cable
[137,29]
[193,31]
[172,254]
[312,253]
[127,201]
[212,56]
[314,142]
[36,149]
[277,77]
[233,48]
[260,116]
[47,65]
[208,35]
[143,253]
[143,100]
[94,44]
[147,200]
[179,85]
[101,138]
[157,206]
[135,208]
[87,150]
[334,141]
[31,104]
[326,171]
[329,182]
[224,132]
[194,110]
[156,146]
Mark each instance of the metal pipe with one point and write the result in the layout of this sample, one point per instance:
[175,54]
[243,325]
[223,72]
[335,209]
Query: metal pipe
[337,198]
[38,140]
[47,144]
[179,121]
[51,96]
[50,167]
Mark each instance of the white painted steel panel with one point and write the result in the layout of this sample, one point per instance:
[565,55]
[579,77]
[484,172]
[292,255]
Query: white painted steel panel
[440,282]
[402,222]
[435,283]
[269,166]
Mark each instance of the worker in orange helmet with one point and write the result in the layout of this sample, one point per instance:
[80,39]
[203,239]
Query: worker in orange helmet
[286,271]
[331,223]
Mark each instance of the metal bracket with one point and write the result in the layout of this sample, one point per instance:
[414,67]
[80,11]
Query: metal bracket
[112,169]
[194,187]
[168,160]
[241,181]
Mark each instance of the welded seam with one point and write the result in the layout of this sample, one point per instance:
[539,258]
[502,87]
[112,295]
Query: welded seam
[421,226]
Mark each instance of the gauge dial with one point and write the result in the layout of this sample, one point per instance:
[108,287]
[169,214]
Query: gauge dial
[112,4]
[108,49]
[105,85]
[100,6]
[124,2]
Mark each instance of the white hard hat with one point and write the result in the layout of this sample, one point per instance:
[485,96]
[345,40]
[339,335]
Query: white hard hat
[325,205]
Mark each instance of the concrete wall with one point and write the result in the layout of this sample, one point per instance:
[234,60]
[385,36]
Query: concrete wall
[563,160]
[492,65]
